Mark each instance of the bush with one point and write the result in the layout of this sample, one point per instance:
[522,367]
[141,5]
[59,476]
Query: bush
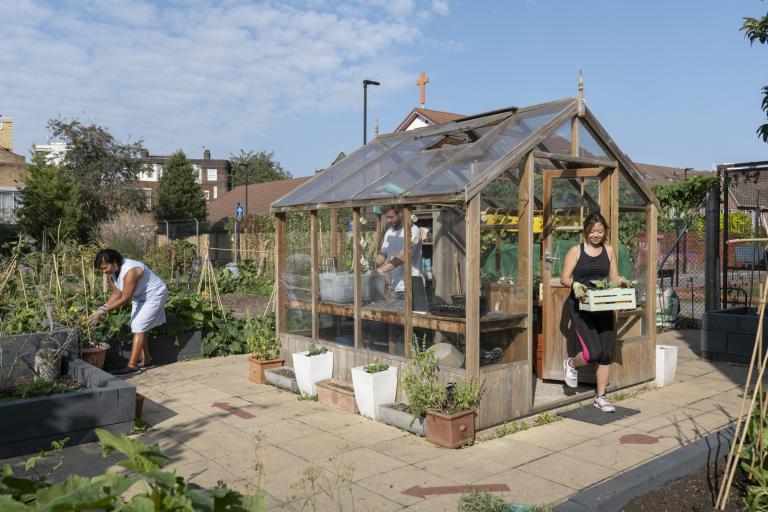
[170,259]
[248,280]
[228,339]
[128,232]
[420,381]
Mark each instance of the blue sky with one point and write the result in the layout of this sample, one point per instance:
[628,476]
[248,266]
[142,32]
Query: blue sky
[674,82]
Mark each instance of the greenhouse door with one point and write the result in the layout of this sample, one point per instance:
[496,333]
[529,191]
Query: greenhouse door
[569,195]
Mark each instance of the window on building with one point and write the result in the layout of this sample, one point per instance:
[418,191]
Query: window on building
[213,175]
[215,192]
[157,171]
[147,197]
[9,203]
[199,173]
[207,195]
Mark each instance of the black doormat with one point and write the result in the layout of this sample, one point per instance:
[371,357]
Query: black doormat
[591,414]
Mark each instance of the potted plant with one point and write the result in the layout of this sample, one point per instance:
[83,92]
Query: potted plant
[450,420]
[311,366]
[92,350]
[374,384]
[263,345]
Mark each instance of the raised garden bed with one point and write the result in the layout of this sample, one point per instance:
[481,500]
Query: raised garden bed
[729,335]
[163,348]
[105,402]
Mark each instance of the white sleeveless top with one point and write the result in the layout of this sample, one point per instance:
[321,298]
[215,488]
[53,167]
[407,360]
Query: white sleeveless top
[149,285]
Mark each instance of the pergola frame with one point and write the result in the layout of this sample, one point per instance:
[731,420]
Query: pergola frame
[515,376]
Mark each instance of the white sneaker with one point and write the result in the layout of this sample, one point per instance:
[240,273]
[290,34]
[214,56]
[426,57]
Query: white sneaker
[603,404]
[570,374]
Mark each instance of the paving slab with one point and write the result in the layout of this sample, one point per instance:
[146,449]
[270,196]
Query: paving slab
[529,489]
[391,484]
[567,470]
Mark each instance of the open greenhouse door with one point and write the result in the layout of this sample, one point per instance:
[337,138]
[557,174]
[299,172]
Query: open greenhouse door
[569,196]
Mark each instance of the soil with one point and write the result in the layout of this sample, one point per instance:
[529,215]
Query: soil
[243,304]
[29,388]
[694,493]
[285,372]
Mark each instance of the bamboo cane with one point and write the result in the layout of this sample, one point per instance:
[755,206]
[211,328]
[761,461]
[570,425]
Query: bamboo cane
[23,288]
[85,281]
[731,464]
[56,273]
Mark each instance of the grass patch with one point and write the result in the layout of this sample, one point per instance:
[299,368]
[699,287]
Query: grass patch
[140,427]
[511,427]
[303,397]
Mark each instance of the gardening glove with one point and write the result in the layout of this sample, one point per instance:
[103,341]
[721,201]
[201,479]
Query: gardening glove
[98,315]
[621,283]
[579,291]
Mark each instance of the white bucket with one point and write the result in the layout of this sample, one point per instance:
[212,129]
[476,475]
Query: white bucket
[666,365]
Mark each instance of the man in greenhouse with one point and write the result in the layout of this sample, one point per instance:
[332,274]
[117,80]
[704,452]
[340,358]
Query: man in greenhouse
[392,254]
[134,282]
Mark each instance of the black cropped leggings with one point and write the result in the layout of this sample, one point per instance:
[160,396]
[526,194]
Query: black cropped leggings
[595,332]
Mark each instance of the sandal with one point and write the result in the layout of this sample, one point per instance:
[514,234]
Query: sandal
[129,370]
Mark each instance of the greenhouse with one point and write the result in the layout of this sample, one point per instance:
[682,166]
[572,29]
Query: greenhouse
[488,205]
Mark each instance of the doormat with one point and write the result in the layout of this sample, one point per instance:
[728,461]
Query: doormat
[595,416]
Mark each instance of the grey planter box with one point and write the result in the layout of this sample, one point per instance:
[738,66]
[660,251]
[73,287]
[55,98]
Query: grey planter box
[163,349]
[401,419]
[729,335]
[31,424]
[273,376]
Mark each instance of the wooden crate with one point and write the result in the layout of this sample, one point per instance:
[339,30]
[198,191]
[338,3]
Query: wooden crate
[613,299]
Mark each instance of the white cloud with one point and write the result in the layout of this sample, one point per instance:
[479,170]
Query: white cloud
[181,69]
[441,7]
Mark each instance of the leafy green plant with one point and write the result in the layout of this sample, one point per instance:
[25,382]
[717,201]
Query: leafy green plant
[420,380]
[157,489]
[304,397]
[21,321]
[228,339]
[261,338]
[249,279]
[461,396]
[546,418]
[753,461]
[376,367]
[35,388]
[315,350]
[481,501]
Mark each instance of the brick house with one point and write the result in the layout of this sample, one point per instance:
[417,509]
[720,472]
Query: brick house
[212,175]
[13,172]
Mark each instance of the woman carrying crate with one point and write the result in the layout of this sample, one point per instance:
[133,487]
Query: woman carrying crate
[591,260]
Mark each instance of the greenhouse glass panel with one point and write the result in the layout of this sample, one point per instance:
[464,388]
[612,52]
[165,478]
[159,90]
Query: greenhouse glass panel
[424,163]
[374,170]
[339,172]
[559,141]
[628,195]
[478,157]
[298,274]
[588,145]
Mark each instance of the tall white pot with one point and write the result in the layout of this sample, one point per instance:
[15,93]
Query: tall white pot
[310,370]
[374,389]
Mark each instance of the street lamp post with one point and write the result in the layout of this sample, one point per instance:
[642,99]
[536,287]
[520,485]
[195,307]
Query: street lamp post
[366,83]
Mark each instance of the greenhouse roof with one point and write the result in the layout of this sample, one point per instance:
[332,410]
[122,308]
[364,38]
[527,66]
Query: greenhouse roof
[455,160]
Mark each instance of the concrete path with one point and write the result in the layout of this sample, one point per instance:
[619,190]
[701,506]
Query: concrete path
[307,456]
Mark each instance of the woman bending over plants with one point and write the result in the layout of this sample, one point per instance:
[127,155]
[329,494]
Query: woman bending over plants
[132,281]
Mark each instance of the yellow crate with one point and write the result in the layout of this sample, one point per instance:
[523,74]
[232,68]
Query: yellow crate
[614,299]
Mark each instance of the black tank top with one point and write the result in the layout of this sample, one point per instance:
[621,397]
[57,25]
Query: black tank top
[590,268]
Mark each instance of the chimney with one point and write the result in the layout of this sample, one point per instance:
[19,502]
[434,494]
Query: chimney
[206,154]
[144,153]
[6,133]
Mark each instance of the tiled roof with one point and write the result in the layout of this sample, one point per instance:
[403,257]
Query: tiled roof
[260,197]
[663,175]
[432,117]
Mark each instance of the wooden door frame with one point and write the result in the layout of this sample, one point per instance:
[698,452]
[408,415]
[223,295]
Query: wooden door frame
[607,205]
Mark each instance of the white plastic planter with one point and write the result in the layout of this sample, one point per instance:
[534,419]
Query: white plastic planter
[374,389]
[309,370]
[666,365]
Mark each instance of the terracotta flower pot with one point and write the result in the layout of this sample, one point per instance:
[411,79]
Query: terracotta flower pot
[139,406]
[451,430]
[257,367]
[95,355]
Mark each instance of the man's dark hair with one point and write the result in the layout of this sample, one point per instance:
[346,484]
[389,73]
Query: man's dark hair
[107,256]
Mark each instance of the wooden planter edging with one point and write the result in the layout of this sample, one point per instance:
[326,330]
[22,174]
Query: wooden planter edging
[108,402]
[729,335]
[163,349]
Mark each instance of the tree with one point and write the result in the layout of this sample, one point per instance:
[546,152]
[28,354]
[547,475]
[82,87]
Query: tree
[51,203]
[756,29]
[103,169]
[178,195]
[259,167]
